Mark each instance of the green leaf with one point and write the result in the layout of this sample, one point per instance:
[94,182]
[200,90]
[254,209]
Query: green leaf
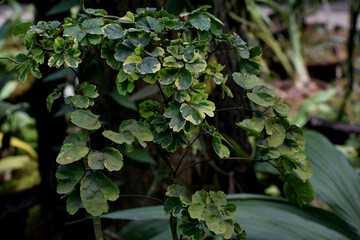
[93,25]
[94,39]
[59,45]
[23,73]
[334,180]
[119,138]
[108,53]
[39,55]
[282,108]
[219,197]
[213,220]
[148,108]
[72,57]
[167,75]
[77,139]
[155,24]
[73,202]
[220,149]
[177,122]
[184,79]
[51,98]
[68,176]
[34,68]
[80,101]
[128,18]
[21,29]
[90,91]
[262,96]
[95,190]
[298,191]
[130,63]
[197,211]
[70,153]
[173,205]
[140,130]
[175,190]
[157,52]
[141,156]
[200,21]
[56,59]
[228,211]
[215,28]
[85,119]
[247,81]
[190,114]
[296,134]
[196,67]
[110,158]
[229,229]
[113,31]
[149,65]
[276,132]
[75,32]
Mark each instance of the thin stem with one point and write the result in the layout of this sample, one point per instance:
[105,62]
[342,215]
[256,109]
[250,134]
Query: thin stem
[97,228]
[215,159]
[82,3]
[162,93]
[186,151]
[9,58]
[236,108]
[142,196]
[173,226]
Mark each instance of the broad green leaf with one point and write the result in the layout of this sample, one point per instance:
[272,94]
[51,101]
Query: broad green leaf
[184,79]
[296,134]
[72,57]
[113,31]
[205,107]
[21,29]
[190,114]
[140,130]
[128,18]
[56,59]
[282,108]
[253,129]
[197,211]
[247,81]
[298,191]
[108,53]
[229,229]
[191,56]
[157,52]
[122,52]
[34,68]
[149,65]
[68,176]
[130,63]
[110,158]
[155,24]
[173,205]
[70,153]
[262,96]
[177,122]
[119,138]
[175,190]
[93,25]
[77,139]
[39,55]
[201,197]
[213,220]
[141,156]
[196,67]
[80,101]
[216,27]
[228,211]
[94,39]
[200,21]
[276,132]
[148,108]
[334,180]
[221,150]
[73,202]
[76,32]
[23,73]
[95,190]
[85,119]
[167,75]
[90,91]
[219,197]
[59,45]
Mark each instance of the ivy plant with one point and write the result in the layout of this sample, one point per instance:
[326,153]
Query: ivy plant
[171,52]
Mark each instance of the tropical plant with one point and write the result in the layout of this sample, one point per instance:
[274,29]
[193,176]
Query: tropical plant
[157,48]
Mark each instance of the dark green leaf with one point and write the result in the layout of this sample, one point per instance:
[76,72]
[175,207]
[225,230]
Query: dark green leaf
[93,25]
[110,158]
[85,119]
[113,31]
[149,65]
[119,138]
[95,190]
[68,176]
[200,21]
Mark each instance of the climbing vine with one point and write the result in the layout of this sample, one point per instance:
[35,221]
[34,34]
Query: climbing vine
[173,53]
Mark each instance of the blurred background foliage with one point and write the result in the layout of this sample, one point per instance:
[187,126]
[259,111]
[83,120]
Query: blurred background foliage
[310,58]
